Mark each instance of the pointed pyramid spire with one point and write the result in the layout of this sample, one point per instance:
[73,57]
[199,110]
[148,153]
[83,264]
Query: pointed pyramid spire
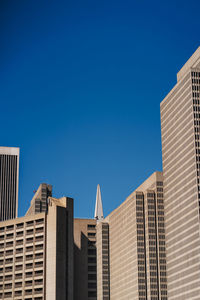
[98,215]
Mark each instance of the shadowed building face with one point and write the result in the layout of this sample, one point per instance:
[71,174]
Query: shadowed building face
[85,265]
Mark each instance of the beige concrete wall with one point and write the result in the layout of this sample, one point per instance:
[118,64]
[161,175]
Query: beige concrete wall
[123,251]
[180,161]
[22,258]
[51,253]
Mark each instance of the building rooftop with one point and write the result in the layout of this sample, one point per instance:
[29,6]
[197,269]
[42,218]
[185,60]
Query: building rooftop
[193,62]
[9,150]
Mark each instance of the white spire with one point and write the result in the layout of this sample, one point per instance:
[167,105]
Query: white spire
[98,215]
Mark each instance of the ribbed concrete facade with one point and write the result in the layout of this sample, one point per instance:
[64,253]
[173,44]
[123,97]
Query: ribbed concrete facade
[36,254]
[133,264]
[180,126]
[22,258]
[9,178]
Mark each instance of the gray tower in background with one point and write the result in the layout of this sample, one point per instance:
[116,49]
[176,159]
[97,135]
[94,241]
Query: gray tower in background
[9,181]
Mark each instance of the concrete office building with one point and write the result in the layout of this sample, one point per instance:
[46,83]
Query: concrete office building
[131,260]
[85,261]
[9,179]
[36,254]
[180,126]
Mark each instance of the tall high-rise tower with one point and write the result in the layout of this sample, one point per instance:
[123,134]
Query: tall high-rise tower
[9,178]
[180,126]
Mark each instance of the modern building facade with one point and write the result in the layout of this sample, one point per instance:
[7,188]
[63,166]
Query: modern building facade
[36,254]
[9,181]
[180,127]
[85,260]
[131,261]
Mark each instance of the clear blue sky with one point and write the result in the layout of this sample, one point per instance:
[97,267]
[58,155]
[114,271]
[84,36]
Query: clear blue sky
[80,87]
